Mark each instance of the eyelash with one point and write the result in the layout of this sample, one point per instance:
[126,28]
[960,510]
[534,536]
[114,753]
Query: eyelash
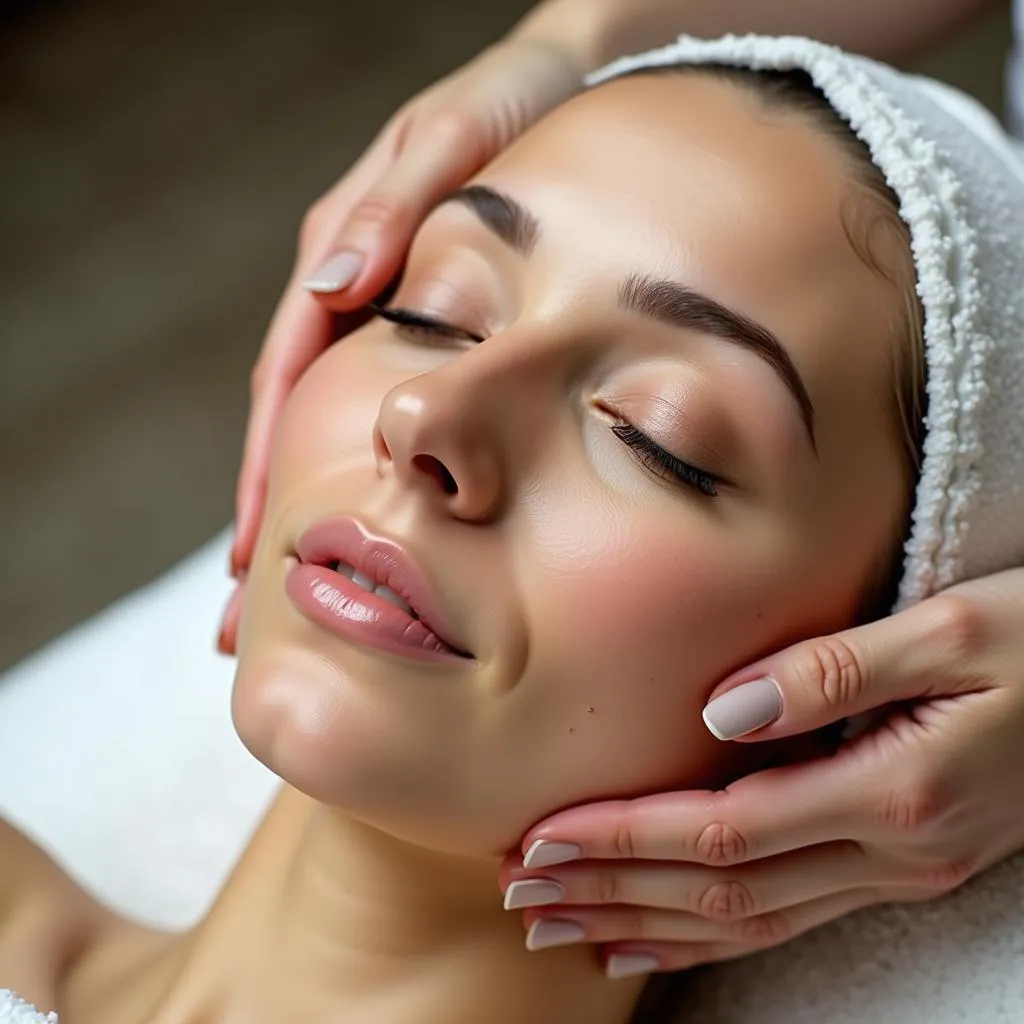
[663,463]
[420,324]
[660,462]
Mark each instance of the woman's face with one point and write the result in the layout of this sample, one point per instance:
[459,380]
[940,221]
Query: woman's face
[659,259]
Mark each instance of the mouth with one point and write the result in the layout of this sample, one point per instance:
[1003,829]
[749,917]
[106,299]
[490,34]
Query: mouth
[370,589]
[369,584]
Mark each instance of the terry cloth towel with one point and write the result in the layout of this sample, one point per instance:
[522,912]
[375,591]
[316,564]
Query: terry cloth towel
[960,183]
[16,1011]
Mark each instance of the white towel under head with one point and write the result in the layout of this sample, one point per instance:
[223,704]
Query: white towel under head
[16,1011]
[961,190]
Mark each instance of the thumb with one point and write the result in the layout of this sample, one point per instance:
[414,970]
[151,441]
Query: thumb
[437,155]
[821,681]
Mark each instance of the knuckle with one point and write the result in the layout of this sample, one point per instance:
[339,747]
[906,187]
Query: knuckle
[917,805]
[721,845]
[958,624]
[726,901]
[605,888]
[764,930]
[450,125]
[622,839]
[377,211]
[829,671]
[947,875]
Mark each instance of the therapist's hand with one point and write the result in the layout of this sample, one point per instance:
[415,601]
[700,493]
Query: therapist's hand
[906,811]
[354,239]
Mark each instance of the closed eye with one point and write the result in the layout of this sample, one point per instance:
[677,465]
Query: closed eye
[420,324]
[664,464]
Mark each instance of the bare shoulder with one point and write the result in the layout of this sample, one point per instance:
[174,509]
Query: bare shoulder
[46,919]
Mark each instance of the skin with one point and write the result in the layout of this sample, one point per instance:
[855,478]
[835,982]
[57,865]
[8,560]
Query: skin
[406,783]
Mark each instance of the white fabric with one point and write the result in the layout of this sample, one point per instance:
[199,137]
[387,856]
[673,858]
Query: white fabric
[16,1011]
[961,192]
[147,793]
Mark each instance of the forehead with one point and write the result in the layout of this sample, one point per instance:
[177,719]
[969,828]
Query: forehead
[700,166]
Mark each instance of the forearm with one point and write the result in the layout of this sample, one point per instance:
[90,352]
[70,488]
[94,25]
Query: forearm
[596,31]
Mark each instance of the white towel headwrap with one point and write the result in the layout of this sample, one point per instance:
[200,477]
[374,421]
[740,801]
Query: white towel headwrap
[960,183]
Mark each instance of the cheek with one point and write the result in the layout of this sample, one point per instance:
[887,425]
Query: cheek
[329,416]
[644,615]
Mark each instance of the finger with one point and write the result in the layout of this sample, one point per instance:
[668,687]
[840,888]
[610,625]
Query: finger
[820,681]
[227,638]
[438,155]
[299,331]
[761,815]
[757,934]
[307,329]
[748,890]
[627,925]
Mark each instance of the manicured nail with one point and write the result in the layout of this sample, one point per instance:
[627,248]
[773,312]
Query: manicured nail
[543,853]
[545,934]
[744,709]
[626,965]
[533,892]
[335,273]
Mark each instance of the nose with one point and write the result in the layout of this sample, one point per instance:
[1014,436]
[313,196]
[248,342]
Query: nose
[434,434]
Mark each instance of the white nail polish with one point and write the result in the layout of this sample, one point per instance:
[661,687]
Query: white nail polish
[627,965]
[336,272]
[543,853]
[545,934]
[744,709]
[533,892]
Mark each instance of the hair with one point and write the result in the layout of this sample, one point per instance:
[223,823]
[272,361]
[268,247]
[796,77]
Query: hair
[872,207]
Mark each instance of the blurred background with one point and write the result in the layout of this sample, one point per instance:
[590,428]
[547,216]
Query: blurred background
[156,161]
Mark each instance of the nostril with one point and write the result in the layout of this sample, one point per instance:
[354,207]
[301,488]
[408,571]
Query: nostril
[436,469]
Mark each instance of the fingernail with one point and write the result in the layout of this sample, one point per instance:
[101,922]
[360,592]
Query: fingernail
[224,642]
[543,853]
[545,934]
[744,709]
[532,892]
[626,965]
[335,273]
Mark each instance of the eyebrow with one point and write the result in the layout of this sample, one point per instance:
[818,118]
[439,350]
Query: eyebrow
[662,300]
[509,220]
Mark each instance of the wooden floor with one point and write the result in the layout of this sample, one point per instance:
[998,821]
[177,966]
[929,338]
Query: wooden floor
[156,160]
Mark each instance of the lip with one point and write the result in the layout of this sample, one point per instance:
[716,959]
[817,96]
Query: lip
[343,607]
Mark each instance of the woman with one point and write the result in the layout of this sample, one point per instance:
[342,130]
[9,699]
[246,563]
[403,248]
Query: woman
[594,436]
[354,240]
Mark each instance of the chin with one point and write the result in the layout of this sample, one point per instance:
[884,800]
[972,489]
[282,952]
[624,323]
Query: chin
[322,732]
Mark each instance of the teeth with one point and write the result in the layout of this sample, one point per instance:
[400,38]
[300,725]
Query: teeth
[368,583]
[363,580]
[390,595]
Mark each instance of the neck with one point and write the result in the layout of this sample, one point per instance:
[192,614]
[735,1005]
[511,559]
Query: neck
[327,917]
